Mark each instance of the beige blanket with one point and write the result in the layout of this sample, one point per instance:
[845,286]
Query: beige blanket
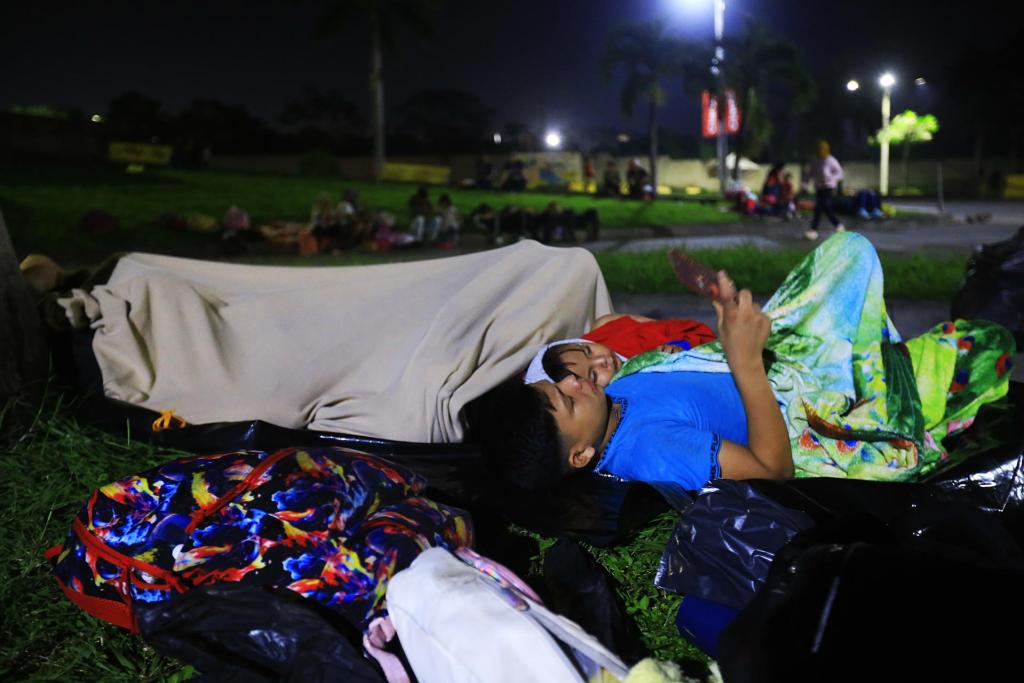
[392,351]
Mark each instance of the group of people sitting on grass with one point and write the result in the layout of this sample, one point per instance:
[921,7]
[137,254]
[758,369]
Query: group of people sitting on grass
[345,225]
[553,224]
[339,226]
[428,225]
[510,178]
[637,183]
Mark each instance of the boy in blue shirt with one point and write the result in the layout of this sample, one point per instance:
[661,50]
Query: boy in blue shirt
[676,430]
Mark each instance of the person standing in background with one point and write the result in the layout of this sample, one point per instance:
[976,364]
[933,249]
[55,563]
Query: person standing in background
[825,172]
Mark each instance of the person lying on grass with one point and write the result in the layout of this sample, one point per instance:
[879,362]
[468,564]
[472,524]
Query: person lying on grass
[600,353]
[843,395]
[408,348]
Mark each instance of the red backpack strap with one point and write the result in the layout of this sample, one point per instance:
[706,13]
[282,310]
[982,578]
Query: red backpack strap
[117,613]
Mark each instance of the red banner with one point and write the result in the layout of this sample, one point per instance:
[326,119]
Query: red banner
[732,113]
[708,115]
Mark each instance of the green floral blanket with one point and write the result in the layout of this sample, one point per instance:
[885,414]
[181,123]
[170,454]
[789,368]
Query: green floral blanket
[858,401]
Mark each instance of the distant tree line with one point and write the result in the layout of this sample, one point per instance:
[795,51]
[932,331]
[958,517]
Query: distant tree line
[426,122]
[786,108]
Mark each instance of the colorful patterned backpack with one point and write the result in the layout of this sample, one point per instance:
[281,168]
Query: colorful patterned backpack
[331,524]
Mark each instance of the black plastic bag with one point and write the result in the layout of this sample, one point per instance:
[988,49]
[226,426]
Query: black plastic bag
[579,588]
[595,509]
[931,595]
[241,633]
[990,461]
[993,288]
[724,544]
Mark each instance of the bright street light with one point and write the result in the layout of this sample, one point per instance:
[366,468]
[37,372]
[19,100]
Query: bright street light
[919,81]
[497,138]
[553,139]
[852,85]
[96,118]
[716,71]
[886,80]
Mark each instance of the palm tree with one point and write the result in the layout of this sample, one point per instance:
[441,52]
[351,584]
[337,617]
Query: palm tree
[763,70]
[648,56]
[384,17]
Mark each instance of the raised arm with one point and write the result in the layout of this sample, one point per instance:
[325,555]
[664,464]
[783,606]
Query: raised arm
[743,330]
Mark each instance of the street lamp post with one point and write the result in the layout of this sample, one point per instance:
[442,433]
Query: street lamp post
[887,80]
[716,70]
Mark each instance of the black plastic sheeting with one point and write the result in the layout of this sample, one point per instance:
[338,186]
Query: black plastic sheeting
[591,508]
[726,541]
[932,594]
[578,587]
[241,633]
[724,544]
[993,287]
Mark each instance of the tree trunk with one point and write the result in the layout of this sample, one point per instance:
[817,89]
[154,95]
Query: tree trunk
[24,358]
[1014,163]
[377,93]
[652,153]
[979,152]
[737,142]
[906,163]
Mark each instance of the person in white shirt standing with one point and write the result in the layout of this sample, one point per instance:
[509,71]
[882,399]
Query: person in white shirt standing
[826,173]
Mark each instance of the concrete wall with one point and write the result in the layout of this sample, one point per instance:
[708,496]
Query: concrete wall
[557,169]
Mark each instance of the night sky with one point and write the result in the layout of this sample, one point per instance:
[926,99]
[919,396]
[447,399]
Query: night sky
[531,61]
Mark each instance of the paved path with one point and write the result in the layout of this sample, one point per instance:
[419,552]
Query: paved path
[893,235]
[1008,211]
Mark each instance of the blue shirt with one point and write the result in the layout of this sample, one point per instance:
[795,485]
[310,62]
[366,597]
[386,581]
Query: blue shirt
[672,426]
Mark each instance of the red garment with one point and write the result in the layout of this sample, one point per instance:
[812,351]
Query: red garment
[629,337]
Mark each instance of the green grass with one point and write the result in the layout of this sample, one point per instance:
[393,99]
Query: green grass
[43,205]
[51,470]
[633,567]
[907,276]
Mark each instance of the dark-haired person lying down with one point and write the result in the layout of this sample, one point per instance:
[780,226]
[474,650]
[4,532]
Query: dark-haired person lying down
[843,396]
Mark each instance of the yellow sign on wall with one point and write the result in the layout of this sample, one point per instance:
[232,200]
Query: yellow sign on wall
[1014,187]
[417,173]
[140,153]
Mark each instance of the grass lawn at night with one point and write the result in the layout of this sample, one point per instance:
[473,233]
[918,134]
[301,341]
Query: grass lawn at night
[43,205]
[907,276]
